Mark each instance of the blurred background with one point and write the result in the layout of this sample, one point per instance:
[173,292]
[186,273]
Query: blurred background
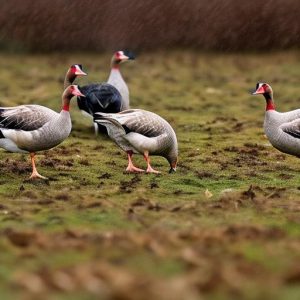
[99,25]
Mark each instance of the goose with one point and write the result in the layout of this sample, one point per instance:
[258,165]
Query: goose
[109,97]
[33,128]
[143,132]
[281,129]
[115,78]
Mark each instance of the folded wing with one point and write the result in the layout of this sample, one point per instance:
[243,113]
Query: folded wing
[25,117]
[292,128]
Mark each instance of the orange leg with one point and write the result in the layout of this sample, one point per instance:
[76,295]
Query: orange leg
[35,174]
[131,168]
[149,168]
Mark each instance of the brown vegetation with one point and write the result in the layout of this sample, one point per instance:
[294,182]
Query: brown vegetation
[106,24]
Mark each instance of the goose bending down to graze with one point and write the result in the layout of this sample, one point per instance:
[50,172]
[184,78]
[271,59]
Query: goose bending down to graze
[109,97]
[33,128]
[140,131]
[281,129]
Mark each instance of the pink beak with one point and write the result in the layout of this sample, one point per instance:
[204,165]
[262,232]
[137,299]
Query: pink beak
[123,57]
[260,90]
[79,72]
[76,91]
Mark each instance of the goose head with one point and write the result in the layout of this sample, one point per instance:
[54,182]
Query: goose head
[71,91]
[74,71]
[68,94]
[263,89]
[172,159]
[121,56]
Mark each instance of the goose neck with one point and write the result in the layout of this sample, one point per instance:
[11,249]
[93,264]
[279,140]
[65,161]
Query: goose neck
[69,79]
[66,99]
[115,66]
[270,105]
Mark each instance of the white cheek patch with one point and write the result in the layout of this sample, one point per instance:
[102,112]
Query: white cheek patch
[77,68]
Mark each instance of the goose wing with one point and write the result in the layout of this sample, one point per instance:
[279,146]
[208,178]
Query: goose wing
[292,128]
[100,98]
[25,117]
[137,120]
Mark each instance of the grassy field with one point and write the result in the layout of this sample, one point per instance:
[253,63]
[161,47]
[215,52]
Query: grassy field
[226,225]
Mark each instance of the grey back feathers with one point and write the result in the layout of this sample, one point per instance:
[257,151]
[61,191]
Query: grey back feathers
[139,130]
[25,117]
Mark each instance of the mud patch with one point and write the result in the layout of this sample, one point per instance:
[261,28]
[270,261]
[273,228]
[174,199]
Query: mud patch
[128,186]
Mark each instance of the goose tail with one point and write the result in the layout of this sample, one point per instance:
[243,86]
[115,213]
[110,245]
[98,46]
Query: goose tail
[112,125]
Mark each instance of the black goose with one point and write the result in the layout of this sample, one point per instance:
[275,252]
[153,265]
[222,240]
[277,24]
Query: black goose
[108,97]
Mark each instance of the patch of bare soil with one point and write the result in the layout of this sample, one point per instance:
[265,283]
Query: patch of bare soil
[262,199]
[15,166]
[128,186]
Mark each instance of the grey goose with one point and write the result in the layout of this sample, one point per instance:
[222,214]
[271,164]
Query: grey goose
[281,129]
[33,128]
[143,132]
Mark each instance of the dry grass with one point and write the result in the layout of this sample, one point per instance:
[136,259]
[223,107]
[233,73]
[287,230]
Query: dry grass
[106,24]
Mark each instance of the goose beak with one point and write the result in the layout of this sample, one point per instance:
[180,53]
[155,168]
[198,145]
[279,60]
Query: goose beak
[127,56]
[76,92]
[79,72]
[172,170]
[259,91]
[124,57]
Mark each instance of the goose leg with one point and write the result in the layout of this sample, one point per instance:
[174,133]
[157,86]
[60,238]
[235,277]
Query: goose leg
[149,168]
[96,129]
[35,174]
[131,168]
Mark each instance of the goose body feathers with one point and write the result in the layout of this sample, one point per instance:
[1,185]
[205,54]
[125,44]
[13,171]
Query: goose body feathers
[116,80]
[283,130]
[101,97]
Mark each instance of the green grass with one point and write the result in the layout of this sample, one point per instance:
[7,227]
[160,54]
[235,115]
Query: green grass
[224,226]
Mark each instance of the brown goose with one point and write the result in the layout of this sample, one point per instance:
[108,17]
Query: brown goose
[281,129]
[140,131]
[32,128]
